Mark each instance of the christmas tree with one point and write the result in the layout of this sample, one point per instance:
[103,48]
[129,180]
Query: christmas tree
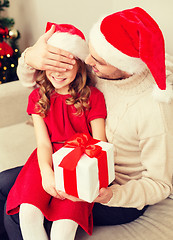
[9,52]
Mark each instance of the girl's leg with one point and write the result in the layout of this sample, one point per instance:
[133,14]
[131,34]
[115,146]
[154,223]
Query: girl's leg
[31,223]
[63,229]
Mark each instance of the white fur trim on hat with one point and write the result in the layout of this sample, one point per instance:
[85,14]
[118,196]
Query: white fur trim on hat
[71,43]
[112,55]
[164,96]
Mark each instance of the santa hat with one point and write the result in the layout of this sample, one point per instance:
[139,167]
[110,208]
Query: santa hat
[130,40]
[69,38]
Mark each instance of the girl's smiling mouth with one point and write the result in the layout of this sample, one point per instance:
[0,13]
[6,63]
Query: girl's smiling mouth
[57,79]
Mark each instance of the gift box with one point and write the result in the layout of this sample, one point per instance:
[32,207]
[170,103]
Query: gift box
[83,166]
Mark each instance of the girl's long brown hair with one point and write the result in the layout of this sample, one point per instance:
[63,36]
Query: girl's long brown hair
[78,89]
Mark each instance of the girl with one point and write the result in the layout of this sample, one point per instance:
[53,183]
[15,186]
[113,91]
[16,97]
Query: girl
[64,104]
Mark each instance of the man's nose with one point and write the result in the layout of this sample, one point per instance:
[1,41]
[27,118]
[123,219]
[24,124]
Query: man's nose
[89,60]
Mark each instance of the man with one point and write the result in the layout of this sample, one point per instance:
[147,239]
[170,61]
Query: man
[127,55]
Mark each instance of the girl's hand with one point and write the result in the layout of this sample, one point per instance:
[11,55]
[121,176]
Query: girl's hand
[48,183]
[65,195]
[105,195]
[43,56]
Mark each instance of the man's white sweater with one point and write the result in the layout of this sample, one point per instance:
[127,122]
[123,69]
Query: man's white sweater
[141,129]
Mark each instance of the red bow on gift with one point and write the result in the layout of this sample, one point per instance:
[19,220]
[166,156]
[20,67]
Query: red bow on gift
[82,143]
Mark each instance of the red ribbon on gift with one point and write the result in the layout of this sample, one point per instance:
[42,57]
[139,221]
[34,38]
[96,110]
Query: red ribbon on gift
[82,143]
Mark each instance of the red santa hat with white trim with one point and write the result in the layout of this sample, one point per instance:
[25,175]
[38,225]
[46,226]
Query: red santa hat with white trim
[130,40]
[68,38]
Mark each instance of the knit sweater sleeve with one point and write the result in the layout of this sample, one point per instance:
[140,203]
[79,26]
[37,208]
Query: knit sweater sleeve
[155,140]
[26,74]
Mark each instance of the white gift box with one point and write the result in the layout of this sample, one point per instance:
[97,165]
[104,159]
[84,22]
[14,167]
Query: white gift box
[87,171]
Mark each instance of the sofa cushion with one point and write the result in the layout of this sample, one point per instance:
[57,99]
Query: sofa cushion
[13,103]
[155,224]
[16,144]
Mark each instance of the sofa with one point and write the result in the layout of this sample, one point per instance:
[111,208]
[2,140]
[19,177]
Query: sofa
[17,141]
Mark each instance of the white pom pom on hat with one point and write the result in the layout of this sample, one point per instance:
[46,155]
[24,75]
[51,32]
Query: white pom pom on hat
[130,40]
[69,38]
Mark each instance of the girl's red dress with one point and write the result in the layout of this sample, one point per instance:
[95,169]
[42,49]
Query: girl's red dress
[62,124]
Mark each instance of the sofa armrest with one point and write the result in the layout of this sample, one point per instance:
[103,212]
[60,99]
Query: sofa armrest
[13,103]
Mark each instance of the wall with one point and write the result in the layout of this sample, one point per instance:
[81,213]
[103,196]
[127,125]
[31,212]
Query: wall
[31,15]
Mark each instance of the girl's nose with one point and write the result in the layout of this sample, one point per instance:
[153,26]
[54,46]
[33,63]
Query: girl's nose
[57,74]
